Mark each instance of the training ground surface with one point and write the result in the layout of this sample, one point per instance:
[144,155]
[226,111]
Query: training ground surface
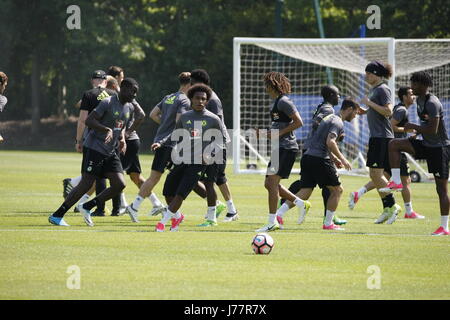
[117,259]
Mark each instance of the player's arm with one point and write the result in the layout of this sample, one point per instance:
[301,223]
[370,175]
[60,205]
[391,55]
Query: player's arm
[384,110]
[336,161]
[334,149]
[396,128]
[167,138]
[139,116]
[183,107]
[361,111]
[93,122]
[80,129]
[430,128]
[296,123]
[122,142]
[155,115]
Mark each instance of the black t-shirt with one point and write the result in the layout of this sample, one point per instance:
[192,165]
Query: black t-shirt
[92,98]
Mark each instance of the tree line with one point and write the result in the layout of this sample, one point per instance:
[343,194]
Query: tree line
[49,65]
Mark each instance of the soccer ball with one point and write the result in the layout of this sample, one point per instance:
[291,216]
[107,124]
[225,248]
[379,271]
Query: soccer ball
[262,243]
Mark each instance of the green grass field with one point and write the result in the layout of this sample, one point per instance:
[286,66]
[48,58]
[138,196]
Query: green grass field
[121,260]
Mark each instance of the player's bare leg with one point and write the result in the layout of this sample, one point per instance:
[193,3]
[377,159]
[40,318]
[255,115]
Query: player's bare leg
[332,204]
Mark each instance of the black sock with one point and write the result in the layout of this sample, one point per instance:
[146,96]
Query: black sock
[116,203]
[388,201]
[61,211]
[90,204]
[294,188]
[325,197]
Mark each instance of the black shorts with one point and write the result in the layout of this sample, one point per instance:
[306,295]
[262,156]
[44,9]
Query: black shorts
[286,161]
[221,178]
[318,171]
[182,179]
[210,173]
[216,172]
[162,159]
[378,154]
[437,158]
[130,160]
[98,164]
[404,166]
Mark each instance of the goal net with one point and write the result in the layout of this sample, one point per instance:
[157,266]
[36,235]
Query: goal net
[312,63]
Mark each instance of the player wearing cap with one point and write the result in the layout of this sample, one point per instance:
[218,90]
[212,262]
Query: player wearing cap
[91,98]
[105,139]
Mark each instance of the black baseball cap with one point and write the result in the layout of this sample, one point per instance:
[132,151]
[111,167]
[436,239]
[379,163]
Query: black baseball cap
[99,74]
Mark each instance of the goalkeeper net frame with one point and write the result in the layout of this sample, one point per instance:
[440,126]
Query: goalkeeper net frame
[313,63]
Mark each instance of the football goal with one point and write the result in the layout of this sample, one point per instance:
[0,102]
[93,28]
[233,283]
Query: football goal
[313,63]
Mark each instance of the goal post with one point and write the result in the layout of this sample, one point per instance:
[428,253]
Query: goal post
[305,61]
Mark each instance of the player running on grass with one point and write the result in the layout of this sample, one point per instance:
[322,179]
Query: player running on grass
[215,106]
[100,159]
[330,95]
[435,146]
[202,136]
[379,110]
[285,119]
[130,159]
[398,120]
[317,166]
[165,113]
[90,100]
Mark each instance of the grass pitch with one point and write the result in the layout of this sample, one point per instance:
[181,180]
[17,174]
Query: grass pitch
[117,259]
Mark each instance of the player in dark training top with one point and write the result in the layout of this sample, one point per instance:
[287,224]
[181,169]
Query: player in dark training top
[435,146]
[379,110]
[202,137]
[215,106]
[90,100]
[399,118]
[285,119]
[130,159]
[165,113]
[317,168]
[107,123]
[330,95]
